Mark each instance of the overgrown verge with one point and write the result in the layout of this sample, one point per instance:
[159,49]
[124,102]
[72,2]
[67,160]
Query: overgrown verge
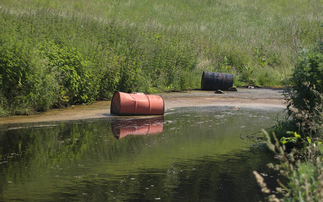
[297,141]
[47,60]
[50,58]
[60,53]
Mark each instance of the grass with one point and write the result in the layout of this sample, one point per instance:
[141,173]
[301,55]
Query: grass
[153,46]
[273,34]
[280,27]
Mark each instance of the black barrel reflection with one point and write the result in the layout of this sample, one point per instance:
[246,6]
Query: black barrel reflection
[139,126]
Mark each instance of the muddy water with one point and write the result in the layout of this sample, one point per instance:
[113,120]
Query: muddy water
[189,154]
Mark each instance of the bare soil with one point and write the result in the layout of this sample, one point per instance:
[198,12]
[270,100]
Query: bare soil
[242,98]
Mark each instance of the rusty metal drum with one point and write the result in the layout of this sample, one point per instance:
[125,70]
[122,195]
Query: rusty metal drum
[136,104]
[216,81]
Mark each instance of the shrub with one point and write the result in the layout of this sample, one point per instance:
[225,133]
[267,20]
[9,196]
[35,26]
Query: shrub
[15,65]
[44,86]
[301,152]
[305,97]
[308,74]
[73,73]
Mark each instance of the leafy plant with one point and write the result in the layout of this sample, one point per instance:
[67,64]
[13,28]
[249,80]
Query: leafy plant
[301,163]
[305,178]
[72,72]
[305,96]
[294,139]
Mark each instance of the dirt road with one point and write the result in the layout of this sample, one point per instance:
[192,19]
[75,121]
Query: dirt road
[243,98]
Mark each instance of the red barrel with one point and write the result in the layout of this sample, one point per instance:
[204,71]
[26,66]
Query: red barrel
[136,104]
[143,126]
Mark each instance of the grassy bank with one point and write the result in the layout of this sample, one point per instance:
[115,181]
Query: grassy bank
[58,53]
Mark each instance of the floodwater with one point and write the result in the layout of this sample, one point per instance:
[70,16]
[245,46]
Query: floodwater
[189,154]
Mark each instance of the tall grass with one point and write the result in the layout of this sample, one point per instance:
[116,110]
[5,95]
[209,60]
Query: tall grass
[92,48]
[279,26]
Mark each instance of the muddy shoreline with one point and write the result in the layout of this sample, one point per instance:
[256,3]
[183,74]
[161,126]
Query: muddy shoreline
[243,98]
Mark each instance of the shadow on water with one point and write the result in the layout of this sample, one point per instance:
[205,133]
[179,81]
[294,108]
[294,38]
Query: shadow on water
[190,154]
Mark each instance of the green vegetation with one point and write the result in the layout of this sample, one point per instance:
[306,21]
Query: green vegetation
[297,141]
[58,53]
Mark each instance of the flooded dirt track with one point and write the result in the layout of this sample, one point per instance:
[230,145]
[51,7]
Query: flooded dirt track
[243,98]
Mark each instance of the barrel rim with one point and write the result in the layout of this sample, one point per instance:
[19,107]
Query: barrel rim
[113,108]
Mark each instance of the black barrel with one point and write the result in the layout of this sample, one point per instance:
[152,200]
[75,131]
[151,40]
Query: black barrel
[216,81]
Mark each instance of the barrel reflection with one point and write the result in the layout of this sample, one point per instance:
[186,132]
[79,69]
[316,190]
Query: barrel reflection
[141,126]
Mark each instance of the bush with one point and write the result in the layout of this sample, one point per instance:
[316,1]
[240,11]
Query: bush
[308,74]
[15,65]
[305,96]
[44,86]
[300,152]
[73,73]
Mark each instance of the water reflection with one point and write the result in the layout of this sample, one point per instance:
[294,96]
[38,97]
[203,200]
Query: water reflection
[196,155]
[121,127]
